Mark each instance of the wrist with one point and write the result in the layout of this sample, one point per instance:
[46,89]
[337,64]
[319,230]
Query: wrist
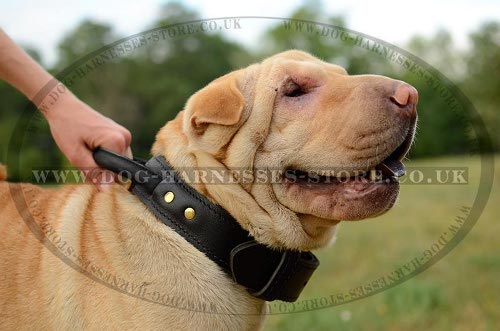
[59,101]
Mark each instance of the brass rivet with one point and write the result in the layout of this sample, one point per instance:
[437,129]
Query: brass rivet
[189,213]
[169,197]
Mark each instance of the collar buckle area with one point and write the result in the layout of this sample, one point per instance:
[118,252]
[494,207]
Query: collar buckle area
[271,274]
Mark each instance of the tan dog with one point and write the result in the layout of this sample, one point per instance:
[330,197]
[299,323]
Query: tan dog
[289,112]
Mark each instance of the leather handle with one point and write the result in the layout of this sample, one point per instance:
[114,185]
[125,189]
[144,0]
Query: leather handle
[117,163]
[133,169]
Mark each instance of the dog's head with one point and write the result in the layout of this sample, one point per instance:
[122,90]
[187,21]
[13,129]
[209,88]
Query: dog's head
[308,133]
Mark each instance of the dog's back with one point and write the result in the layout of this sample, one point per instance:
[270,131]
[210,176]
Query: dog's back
[18,269]
[111,231]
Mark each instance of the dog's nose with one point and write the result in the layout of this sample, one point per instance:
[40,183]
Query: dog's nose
[405,97]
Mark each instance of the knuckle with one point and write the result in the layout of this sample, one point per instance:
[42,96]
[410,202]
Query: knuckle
[127,136]
[73,157]
[119,141]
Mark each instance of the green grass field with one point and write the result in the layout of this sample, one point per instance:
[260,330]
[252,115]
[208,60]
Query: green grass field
[460,292]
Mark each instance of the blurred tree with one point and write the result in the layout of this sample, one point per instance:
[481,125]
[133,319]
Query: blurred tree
[441,130]
[150,85]
[440,51]
[12,106]
[167,72]
[87,37]
[104,86]
[482,81]
[301,34]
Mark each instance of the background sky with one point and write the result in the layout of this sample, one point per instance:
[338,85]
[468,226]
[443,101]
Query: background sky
[42,24]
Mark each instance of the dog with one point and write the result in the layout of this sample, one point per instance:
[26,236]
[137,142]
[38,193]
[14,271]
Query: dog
[291,112]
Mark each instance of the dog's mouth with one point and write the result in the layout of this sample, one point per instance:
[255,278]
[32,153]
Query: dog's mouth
[386,171]
[347,194]
[393,164]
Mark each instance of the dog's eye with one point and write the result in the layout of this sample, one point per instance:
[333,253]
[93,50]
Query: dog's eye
[293,89]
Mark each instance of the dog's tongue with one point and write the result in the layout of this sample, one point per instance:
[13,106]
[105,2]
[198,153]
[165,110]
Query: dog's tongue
[392,167]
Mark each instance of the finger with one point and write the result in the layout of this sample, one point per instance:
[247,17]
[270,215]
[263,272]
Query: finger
[81,159]
[128,153]
[102,178]
[127,136]
[115,143]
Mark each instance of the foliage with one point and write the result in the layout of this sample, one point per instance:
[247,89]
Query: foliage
[482,81]
[146,88]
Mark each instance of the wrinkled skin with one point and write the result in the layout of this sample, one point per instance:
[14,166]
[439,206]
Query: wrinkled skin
[295,112]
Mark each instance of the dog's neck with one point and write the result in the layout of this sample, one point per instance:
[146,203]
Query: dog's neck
[174,147]
[288,232]
[173,144]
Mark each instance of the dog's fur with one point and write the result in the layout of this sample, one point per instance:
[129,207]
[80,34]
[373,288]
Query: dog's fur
[248,119]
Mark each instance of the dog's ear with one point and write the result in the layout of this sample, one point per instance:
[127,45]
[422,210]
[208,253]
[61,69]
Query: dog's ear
[213,113]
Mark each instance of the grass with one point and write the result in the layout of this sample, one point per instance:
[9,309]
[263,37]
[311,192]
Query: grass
[460,292]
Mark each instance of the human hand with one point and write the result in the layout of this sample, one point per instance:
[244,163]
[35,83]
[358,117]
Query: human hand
[78,129]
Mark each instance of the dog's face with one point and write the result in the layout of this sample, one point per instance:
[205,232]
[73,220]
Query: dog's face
[319,129]
[329,130]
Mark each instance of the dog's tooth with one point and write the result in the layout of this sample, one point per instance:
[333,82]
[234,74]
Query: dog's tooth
[375,175]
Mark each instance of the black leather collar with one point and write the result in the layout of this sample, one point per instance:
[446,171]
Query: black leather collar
[267,273]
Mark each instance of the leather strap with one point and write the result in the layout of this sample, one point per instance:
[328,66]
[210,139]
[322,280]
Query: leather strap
[267,273]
